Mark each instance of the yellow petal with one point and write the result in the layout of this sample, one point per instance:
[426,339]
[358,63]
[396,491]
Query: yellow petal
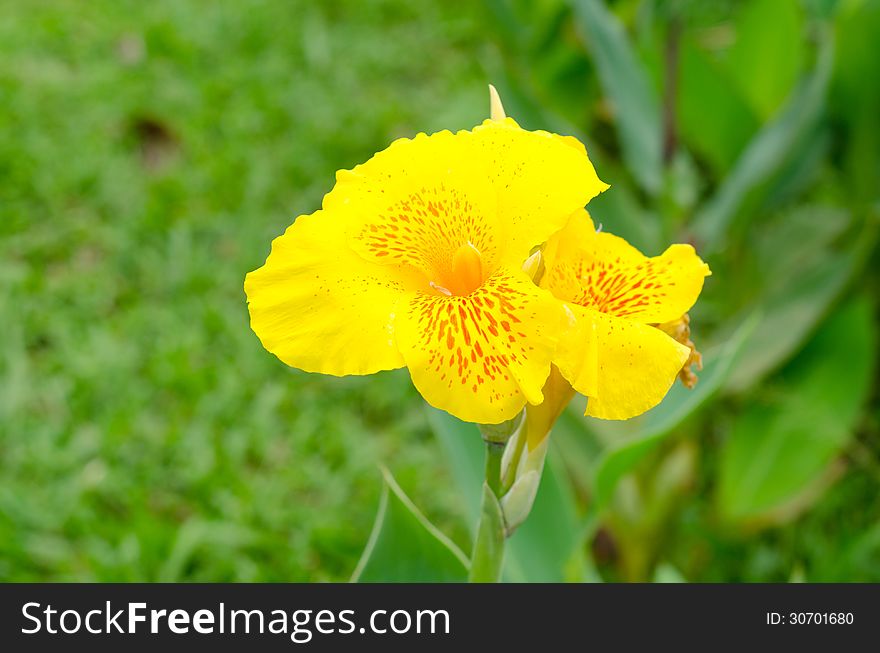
[604,272]
[500,189]
[319,306]
[540,179]
[624,367]
[418,202]
[481,357]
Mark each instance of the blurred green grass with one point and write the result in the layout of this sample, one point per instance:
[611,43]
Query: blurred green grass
[149,153]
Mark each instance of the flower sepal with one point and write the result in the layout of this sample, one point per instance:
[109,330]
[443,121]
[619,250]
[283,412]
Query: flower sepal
[503,432]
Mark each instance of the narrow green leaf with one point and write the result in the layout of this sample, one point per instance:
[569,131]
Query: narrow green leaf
[404,547]
[784,442]
[626,83]
[660,422]
[768,152]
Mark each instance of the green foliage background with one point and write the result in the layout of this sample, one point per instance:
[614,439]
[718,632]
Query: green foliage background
[149,152]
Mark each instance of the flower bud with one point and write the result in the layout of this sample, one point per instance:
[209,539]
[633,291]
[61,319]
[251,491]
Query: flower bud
[517,503]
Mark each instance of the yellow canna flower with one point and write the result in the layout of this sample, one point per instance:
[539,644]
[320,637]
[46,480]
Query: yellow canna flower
[415,260]
[614,294]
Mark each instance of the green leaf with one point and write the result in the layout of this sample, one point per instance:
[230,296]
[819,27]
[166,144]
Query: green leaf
[791,311]
[768,53]
[660,422]
[767,154]
[714,118]
[626,83]
[465,452]
[855,104]
[803,172]
[404,547]
[784,442]
[542,548]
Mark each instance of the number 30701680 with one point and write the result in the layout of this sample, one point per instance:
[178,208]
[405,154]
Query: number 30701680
[806,618]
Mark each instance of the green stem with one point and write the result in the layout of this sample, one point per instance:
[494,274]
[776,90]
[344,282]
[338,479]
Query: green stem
[494,455]
[488,553]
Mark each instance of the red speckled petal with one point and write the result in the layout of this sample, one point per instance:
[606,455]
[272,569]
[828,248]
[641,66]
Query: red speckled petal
[482,356]
[604,272]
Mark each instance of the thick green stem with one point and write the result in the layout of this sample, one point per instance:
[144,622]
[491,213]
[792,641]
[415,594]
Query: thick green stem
[494,455]
[488,554]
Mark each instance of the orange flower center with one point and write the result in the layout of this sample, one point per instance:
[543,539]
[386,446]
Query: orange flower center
[465,274]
